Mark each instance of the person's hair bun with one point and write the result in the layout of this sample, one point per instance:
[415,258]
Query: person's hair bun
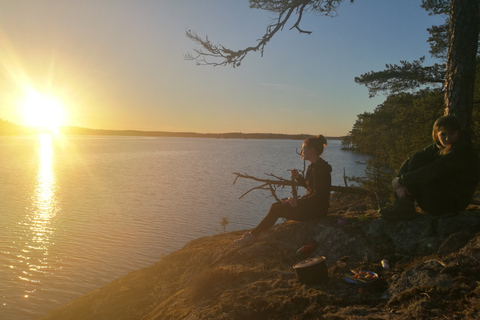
[322,139]
[318,143]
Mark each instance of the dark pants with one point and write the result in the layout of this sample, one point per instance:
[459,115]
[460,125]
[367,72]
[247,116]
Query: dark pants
[439,196]
[280,210]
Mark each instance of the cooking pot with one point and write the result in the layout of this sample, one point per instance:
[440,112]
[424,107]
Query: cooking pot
[312,271]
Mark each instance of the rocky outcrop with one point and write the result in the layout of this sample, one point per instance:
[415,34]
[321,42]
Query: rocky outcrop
[434,273]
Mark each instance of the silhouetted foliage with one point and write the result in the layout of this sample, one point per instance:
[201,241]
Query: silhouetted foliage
[439,35]
[8,128]
[396,129]
[404,77]
[393,132]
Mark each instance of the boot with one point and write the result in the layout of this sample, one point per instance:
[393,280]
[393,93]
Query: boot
[402,209]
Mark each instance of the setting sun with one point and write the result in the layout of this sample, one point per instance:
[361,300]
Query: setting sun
[43,111]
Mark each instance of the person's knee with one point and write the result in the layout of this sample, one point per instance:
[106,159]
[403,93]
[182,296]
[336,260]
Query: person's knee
[273,208]
[417,161]
[278,210]
[274,205]
[437,203]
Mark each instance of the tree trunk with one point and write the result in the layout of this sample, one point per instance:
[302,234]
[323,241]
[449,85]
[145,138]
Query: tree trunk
[460,76]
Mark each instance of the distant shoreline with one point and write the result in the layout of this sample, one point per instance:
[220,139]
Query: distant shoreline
[228,135]
[8,129]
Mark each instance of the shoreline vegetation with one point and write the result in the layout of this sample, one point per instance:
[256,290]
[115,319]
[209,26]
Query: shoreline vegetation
[8,129]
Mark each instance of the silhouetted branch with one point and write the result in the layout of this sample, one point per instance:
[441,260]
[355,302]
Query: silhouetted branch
[208,52]
[229,56]
[403,77]
[271,185]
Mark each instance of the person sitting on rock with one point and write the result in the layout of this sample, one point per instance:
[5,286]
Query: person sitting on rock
[441,178]
[314,204]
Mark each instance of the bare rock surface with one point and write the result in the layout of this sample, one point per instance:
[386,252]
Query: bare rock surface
[434,273]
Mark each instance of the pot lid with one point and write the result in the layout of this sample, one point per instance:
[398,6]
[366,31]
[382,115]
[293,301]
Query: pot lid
[309,262]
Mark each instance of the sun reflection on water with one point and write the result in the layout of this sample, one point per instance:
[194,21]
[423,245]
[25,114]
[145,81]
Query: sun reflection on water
[39,218]
[44,202]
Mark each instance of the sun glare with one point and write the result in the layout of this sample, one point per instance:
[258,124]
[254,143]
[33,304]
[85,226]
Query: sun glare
[43,111]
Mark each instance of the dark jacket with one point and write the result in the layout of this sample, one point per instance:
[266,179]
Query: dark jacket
[317,182]
[455,174]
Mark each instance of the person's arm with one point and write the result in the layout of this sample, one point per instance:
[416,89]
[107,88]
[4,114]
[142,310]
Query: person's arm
[427,152]
[443,166]
[298,177]
[322,184]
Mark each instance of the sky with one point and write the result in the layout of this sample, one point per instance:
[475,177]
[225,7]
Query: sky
[119,64]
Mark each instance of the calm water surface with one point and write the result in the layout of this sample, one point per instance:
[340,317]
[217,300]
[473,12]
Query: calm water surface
[78,212]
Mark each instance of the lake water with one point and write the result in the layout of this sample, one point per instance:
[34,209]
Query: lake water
[80,211]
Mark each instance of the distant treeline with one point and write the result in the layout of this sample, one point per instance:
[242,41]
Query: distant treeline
[8,128]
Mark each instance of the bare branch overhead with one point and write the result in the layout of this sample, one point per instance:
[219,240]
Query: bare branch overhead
[218,55]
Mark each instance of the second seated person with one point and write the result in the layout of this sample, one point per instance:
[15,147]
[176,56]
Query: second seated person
[313,205]
[442,178]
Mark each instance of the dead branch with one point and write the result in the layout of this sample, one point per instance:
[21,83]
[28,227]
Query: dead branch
[267,184]
[351,190]
[271,185]
[345,178]
[272,190]
[217,55]
[281,182]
